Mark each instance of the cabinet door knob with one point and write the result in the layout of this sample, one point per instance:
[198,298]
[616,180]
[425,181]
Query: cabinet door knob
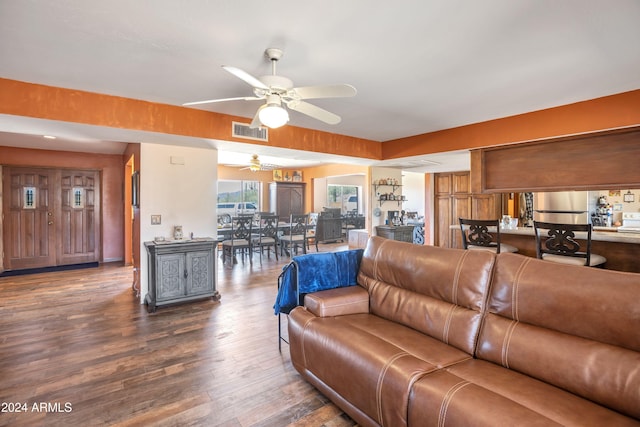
[186,273]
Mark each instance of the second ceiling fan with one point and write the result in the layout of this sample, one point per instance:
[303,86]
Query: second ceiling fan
[279,90]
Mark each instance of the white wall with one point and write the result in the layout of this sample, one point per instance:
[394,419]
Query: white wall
[319,194]
[413,189]
[378,173]
[183,194]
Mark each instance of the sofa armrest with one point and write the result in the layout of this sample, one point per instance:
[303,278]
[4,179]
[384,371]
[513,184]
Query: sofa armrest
[338,301]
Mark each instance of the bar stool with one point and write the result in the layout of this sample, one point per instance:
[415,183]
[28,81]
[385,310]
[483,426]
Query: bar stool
[479,235]
[558,244]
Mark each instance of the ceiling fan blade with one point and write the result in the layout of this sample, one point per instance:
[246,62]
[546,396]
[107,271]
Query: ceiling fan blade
[315,112]
[246,77]
[256,123]
[210,101]
[328,91]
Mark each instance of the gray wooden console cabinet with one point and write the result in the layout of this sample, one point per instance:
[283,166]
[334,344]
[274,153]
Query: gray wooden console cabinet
[328,230]
[180,271]
[402,233]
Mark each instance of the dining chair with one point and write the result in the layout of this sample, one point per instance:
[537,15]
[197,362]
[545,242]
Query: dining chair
[240,239]
[267,235]
[557,243]
[296,235]
[478,234]
[311,229]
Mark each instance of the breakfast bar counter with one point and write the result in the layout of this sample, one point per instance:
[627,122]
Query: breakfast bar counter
[622,250]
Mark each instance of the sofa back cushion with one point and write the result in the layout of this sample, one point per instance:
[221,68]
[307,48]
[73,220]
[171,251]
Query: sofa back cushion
[575,327]
[437,291]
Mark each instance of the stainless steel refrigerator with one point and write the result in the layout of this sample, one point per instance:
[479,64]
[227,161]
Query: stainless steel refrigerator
[566,207]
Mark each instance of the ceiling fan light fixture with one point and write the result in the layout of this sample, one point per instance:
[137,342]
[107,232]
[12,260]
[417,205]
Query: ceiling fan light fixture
[254,163]
[273,115]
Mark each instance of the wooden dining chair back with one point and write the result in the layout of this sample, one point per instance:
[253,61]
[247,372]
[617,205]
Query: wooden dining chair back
[559,243]
[267,235]
[296,236]
[311,229]
[240,239]
[483,235]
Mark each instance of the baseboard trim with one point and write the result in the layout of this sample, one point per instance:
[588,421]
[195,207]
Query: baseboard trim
[8,273]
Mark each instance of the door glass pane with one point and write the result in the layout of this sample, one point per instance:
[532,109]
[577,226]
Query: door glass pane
[78,198]
[29,198]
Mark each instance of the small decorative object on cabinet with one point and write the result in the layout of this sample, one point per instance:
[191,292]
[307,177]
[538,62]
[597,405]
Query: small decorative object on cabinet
[180,271]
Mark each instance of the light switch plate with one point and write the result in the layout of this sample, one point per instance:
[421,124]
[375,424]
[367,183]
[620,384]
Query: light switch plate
[156,219]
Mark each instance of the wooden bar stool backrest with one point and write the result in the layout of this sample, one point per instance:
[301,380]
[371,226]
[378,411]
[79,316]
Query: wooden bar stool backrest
[554,239]
[477,232]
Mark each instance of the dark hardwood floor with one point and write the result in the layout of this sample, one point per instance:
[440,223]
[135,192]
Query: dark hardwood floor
[77,349]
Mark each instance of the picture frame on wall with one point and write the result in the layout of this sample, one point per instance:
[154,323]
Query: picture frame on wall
[629,197]
[277,175]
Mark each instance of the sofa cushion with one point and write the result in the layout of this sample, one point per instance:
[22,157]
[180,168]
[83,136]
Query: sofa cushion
[480,393]
[368,361]
[553,322]
[440,292]
[338,301]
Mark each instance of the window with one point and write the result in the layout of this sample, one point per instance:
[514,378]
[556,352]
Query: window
[240,192]
[345,197]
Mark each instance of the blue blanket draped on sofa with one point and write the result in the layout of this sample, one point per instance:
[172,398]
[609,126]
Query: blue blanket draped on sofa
[316,272]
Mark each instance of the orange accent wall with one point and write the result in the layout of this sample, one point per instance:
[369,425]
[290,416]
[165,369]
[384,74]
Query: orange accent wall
[609,112]
[111,167]
[69,105]
[47,102]
[132,150]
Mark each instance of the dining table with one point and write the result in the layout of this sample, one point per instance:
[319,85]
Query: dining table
[226,233]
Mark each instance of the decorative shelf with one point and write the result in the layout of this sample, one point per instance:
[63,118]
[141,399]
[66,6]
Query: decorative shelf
[381,202]
[394,187]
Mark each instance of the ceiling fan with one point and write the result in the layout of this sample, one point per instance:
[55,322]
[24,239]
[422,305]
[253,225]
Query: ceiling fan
[255,165]
[278,90]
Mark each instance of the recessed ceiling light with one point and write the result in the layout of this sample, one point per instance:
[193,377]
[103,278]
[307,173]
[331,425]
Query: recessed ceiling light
[49,136]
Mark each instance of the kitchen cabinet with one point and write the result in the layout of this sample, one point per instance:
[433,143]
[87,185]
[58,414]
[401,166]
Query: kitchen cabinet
[286,198]
[180,271]
[454,199]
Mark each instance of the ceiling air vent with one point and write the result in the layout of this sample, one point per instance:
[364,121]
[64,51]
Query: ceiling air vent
[242,130]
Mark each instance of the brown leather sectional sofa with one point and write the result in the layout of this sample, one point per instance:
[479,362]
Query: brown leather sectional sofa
[447,337]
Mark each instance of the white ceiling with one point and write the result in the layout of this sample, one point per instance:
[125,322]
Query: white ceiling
[418,66]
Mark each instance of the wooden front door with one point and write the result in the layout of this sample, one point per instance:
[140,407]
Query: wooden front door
[51,217]
[29,228]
